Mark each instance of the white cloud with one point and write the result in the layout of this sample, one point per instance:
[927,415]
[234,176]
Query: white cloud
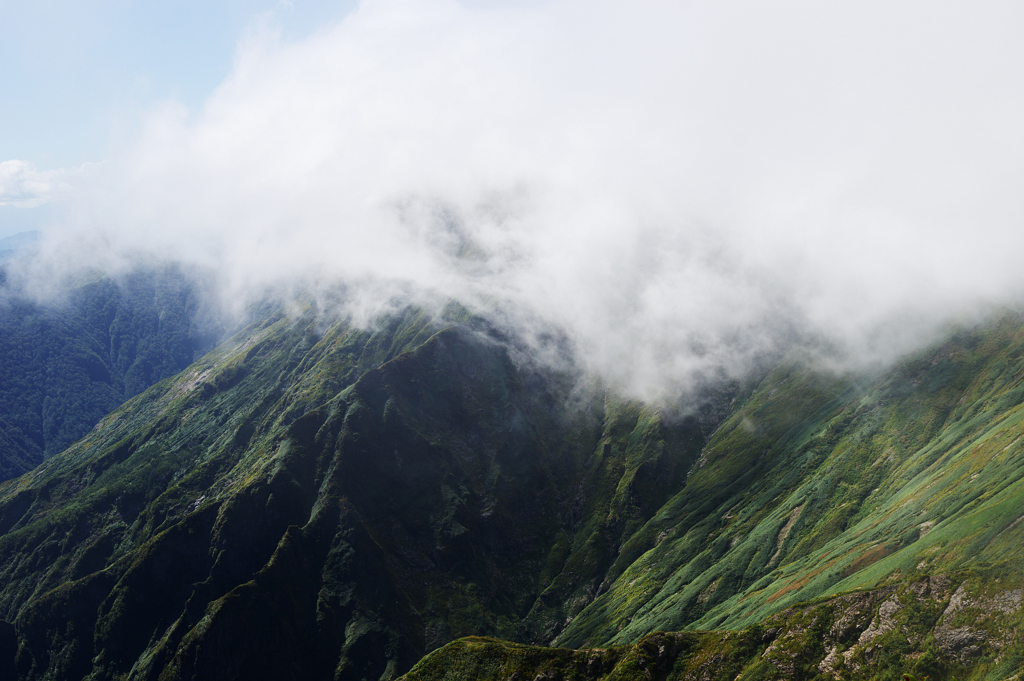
[677,186]
[22,186]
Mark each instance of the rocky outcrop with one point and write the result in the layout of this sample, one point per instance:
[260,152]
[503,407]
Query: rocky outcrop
[938,626]
[968,623]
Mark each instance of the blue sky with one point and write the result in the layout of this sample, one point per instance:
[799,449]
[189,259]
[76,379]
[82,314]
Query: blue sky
[77,74]
[75,70]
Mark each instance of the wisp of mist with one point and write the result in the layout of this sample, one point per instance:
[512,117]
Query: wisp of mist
[677,187]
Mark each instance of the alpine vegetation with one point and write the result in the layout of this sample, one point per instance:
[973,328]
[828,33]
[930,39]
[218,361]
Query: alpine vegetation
[551,340]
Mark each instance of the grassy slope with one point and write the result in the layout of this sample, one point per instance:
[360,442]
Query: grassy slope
[327,502]
[964,625]
[817,486]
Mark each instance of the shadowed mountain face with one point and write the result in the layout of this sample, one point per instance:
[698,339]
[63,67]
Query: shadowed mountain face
[67,363]
[312,504]
[316,501]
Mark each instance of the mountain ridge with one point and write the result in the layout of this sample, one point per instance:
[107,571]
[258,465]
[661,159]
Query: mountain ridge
[318,500]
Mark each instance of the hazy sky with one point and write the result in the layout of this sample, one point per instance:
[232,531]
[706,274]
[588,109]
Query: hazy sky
[74,71]
[676,185]
[77,75]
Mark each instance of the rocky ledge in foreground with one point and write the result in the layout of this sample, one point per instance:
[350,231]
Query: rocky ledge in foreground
[964,626]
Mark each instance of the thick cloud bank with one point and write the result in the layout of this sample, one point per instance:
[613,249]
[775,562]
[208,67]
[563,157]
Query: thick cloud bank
[677,185]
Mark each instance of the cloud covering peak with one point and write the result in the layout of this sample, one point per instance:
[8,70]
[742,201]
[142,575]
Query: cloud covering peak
[676,186]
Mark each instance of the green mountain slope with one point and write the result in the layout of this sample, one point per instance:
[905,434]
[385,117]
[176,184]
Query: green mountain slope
[312,500]
[817,486]
[965,625]
[316,503]
[67,363]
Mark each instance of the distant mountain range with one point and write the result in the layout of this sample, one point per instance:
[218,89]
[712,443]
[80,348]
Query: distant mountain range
[66,362]
[18,244]
[313,500]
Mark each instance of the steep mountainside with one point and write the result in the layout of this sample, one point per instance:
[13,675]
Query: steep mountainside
[67,363]
[317,501]
[310,503]
[818,486]
[907,489]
